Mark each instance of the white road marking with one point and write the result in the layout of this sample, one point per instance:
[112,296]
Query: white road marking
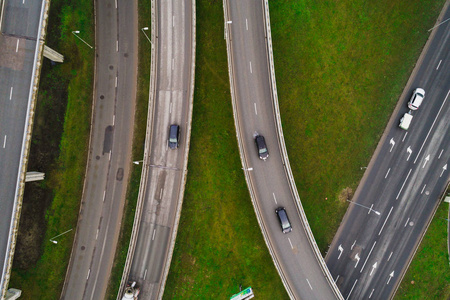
[116,81]
[406,223]
[423,189]
[256,112]
[153,236]
[368,257]
[406,133]
[117,46]
[114,119]
[337,278]
[437,68]
[409,151]
[145,274]
[403,184]
[173,63]
[309,284]
[357,259]
[4,141]
[432,125]
[292,247]
[373,268]
[274,198]
[17,45]
[351,289]
[89,273]
[426,160]
[387,173]
[170,107]
[104,195]
[444,168]
[390,277]
[353,245]
[96,236]
[390,256]
[340,249]
[392,142]
[160,193]
[251,70]
[370,209]
[440,154]
[116,3]
[10,93]
[385,220]
[246,24]
[109,154]
[371,293]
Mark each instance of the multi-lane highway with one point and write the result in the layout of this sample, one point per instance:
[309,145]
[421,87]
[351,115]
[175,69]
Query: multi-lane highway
[255,111]
[109,153]
[402,186]
[19,45]
[164,173]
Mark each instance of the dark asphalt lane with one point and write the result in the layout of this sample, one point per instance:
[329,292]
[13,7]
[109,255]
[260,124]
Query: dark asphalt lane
[404,182]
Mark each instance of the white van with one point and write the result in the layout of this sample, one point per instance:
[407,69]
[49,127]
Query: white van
[405,121]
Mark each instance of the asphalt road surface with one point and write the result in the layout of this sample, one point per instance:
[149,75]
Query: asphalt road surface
[110,151]
[404,181]
[164,190]
[255,114]
[17,55]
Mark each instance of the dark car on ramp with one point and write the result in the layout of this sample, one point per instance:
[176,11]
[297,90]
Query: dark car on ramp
[284,220]
[174,136]
[263,153]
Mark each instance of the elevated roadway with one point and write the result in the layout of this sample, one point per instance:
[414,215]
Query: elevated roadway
[403,183]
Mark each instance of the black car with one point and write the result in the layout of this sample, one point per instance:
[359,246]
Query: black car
[174,136]
[262,148]
[284,220]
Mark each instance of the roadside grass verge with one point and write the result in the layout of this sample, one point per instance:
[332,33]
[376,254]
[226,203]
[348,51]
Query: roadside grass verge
[341,67]
[44,279]
[144,59]
[428,276]
[219,244]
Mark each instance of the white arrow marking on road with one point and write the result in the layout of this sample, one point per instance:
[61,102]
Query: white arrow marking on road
[357,258]
[340,249]
[373,268]
[392,143]
[426,160]
[409,150]
[390,277]
[443,170]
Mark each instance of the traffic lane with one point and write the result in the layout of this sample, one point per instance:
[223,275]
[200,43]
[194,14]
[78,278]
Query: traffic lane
[21,18]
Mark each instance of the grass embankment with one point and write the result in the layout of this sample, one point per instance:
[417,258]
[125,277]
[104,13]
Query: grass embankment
[69,82]
[428,276]
[341,67]
[219,243]
[144,58]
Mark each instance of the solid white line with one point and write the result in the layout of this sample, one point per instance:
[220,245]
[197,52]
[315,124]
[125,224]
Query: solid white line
[251,70]
[275,198]
[96,236]
[352,289]
[10,93]
[104,195]
[145,274]
[432,125]
[385,220]
[116,81]
[4,141]
[256,112]
[440,154]
[403,184]
[153,236]
[292,247]
[423,189]
[337,278]
[309,284]
[368,257]
[114,119]
[89,273]
[371,293]
[406,222]
[17,46]
[390,256]
[406,133]
[246,24]
[387,173]
[439,64]
[351,248]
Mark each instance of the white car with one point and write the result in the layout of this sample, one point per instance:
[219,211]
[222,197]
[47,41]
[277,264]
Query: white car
[416,99]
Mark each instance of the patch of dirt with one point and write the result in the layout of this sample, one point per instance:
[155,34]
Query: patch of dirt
[346,193]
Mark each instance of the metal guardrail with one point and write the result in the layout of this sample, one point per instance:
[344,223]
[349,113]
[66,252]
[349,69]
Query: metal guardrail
[26,143]
[283,151]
